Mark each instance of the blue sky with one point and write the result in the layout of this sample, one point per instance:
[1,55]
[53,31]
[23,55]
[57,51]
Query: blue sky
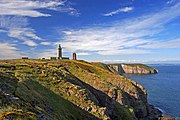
[97,30]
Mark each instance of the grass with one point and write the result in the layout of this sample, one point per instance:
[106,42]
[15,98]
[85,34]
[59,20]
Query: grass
[63,89]
[104,66]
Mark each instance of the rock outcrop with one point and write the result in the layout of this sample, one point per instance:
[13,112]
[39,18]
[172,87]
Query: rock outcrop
[134,69]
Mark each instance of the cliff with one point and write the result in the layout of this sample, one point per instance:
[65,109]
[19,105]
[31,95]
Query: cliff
[134,69]
[68,89]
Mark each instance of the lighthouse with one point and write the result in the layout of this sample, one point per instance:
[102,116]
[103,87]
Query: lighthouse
[59,52]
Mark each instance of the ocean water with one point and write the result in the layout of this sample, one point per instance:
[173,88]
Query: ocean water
[163,88]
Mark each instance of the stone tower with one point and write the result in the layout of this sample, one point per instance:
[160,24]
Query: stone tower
[59,52]
[74,56]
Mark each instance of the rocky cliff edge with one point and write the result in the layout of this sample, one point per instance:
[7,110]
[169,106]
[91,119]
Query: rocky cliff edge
[134,68]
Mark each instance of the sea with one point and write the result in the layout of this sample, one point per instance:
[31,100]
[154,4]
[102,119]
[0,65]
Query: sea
[163,88]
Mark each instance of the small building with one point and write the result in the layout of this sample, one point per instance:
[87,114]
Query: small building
[65,58]
[74,56]
[53,58]
[25,58]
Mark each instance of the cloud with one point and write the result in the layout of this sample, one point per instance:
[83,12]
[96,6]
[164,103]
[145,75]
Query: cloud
[121,10]
[7,22]
[82,53]
[47,53]
[14,18]
[124,61]
[2,31]
[175,61]
[30,43]
[25,34]
[170,1]
[31,8]
[165,44]
[16,27]
[121,37]
[9,51]
[45,43]
[123,52]
[67,32]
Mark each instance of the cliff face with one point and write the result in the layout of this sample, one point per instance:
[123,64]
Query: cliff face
[134,69]
[137,100]
[66,89]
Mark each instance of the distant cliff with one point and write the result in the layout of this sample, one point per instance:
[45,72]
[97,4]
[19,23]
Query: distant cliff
[134,68]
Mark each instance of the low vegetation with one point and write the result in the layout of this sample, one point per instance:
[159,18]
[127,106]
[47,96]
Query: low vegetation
[66,89]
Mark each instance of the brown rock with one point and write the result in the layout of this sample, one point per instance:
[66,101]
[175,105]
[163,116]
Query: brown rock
[166,117]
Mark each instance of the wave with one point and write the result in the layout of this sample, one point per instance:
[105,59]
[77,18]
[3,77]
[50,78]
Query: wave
[163,112]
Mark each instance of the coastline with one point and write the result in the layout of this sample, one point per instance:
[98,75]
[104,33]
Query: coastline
[163,112]
[157,111]
[160,114]
[166,115]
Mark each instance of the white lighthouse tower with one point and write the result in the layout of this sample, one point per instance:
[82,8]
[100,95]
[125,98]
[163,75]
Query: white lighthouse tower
[59,52]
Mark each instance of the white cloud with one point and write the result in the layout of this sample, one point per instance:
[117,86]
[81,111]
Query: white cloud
[47,53]
[31,8]
[2,31]
[121,10]
[175,43]
[23,33]
[170,1]
[161,60]
[16,27]
[7,22]
[123,52]
[30,43]
[121,37]
[9,51]
[123,61]
[45,43]
[67,32]
[83,53]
